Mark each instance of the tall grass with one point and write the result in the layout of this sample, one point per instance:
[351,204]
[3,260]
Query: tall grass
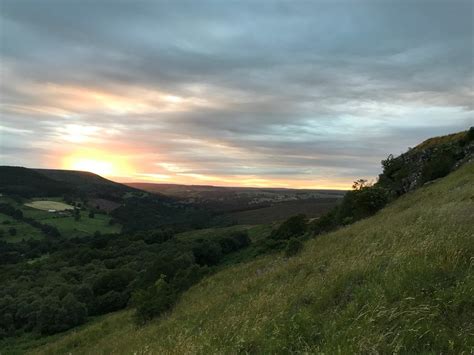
[399,282]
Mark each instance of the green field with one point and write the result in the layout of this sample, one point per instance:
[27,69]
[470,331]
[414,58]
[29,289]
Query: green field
[23,230]
[66,224]
[399,282]
[85,226]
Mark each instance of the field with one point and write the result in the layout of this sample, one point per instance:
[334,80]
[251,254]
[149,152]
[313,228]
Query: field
[49,205]
[249,205]
[398,282]
[280,211]
[23,230]
[66,224]
[85,226]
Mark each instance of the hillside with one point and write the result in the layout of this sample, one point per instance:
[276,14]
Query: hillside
[28,182]
[131,208]
[398,282]
[86,181]
[47,182]
[249,205]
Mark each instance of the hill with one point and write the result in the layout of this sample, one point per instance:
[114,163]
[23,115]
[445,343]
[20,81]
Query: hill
[249,205]
[47,182]
[398,282]
[131,208]
[15,180]
[85,181]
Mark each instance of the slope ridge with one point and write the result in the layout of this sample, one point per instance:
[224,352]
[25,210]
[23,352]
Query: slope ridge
[400,281]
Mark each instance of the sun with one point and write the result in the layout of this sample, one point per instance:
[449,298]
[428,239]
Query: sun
[99,167]
[98,162]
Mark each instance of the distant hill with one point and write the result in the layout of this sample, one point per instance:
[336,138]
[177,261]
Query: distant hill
[86,181]
[25,182]
[249,205]
[134,209]
[218,192]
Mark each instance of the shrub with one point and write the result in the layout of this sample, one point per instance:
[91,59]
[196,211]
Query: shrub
[116,280]
[438,167]
[293,227]
[470,134]
[207,253]
[293,247]
[111,301]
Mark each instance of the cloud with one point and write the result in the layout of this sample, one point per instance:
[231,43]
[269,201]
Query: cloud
[222,92]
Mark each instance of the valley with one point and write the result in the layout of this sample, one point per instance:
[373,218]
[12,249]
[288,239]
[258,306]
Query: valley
[92,266]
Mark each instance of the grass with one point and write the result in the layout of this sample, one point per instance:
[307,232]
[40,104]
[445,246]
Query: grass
[279,211]
[399,282]
[23,230]
[437,141]
[46,205]
[69,227]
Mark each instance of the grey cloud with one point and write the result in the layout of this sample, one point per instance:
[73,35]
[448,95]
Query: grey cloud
[300,82]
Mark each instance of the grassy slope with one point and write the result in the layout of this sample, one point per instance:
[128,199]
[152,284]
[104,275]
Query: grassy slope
[401,281]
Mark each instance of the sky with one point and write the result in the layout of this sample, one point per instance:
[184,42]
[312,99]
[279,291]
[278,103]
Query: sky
[302,94]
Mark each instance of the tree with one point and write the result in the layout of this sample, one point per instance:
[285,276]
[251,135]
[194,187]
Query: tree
[207,253]
[76,312]
[359,184]
[293,227]
[111,301]
[153,301]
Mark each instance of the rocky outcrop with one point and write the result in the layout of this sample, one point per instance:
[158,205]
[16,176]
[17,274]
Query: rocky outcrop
[430,160]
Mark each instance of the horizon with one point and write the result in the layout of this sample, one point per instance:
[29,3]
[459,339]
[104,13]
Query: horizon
[245,94]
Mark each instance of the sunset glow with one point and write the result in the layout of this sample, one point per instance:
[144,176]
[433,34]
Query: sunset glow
[98,162]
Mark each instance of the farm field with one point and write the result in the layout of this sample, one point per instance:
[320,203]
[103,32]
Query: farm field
[280,211]
[47,205]
[70,228]
[23,230]
[66,224]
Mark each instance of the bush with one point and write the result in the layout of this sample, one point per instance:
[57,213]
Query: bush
[293,247]
[57,316]
[111,301]
[438,167]
[152,301]
[207,253]
[358,204]
[116,280]
[293,227]
[234,242]
[325,223]
[470,134]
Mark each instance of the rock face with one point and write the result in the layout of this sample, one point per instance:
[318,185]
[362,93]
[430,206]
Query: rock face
[431,160]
